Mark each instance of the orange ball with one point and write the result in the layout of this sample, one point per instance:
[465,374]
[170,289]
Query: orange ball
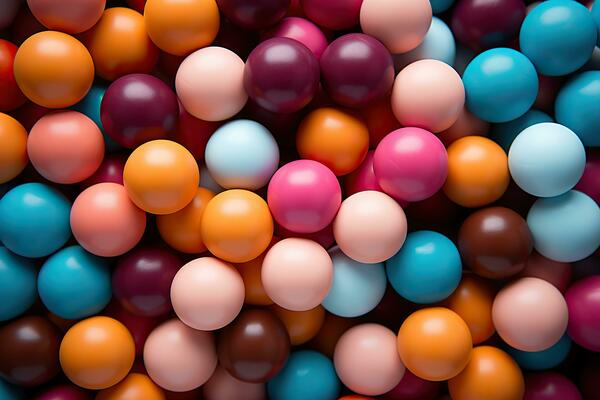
[181,230]
[334,138]
[70,16]
[97,353]
[477,171]
[181,26]
[237,226]
[301,326]
[53,69]
[13,151]
[120,45]
[472,301]
[434,343]
[161,177]
[491,375]
[332,329]
[251,274]
[133,387]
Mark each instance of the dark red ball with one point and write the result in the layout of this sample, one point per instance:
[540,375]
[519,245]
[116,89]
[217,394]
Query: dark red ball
[254,14]
[10,94]
[64,392]
[193,133]
[111,170]
[139,327]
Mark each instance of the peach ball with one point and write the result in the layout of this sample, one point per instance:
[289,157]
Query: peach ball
[69,16]
[13,152]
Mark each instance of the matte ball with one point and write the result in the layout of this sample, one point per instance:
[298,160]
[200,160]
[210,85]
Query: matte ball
[303,31]
[18,284]
[333,14]
[13,153]
[67,15]
[134,386]
[222,385]
[11,96]
[545,359]
[254,14]
[584,319]
[550,386]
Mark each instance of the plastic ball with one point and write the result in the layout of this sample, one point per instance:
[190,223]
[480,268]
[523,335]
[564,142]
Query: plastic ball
[281,75]
[399,25]
[558,36]
[193,133]
[253,14]
[251,274]
[64,392]
[434,354]
[545,359]
[438,44]
[333,14]
[13,153]
[301,326]
[303,31]
[109,171]
[550,386]
[501,84]
[584,323]
[334,138]
[505,133]
[11,96]
[179,358]
[362,178]
[53,69]
[370,227]
[490,374]
[439,6]
[557,273]
[67,15]
[380,119]
[590,181]
[105,222]
[134,386]
[8,390]
[34,220]
[210,84]
[18,284]
[411,387]
[222,385]
[297,274]
[565,228]
[477,172]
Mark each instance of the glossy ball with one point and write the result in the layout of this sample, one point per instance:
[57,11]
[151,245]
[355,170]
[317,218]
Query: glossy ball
[584,320]
[590,181]
[134,386]
[557,273]
[11,96]
[254,14]
[550,386]
[64,392]
[467,124]
[505,133]
[13,153]
[18,284]
[222,385]
[362,178]
[438,44]
[109,171]
[251,274]
[301,326]
[335,14]
[67,15]
[411,387]
[545,359]
[303,31]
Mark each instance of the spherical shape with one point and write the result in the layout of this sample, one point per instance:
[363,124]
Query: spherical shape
[333,14]
[557,273]
[67,15]
[133,386]
[11,96]
[13,153]
[590,181]
[363,178]
[545,359]
[438,44]
[303,31]
[64,392]
[301,326]
[584,319]
[254,14]
[505,133]
[18,284]
[222,385]
[109,171]
[550,386]
[250,272]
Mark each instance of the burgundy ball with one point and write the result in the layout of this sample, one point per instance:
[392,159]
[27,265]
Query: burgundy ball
[142,280]
[281,75]
[556,272]
[333,14]
[138,108]
[583,300]
[411,387]
[550,386]
[254,14]
[356,70]
[139,327]
[111,170]
[64,392]
[193,133]
[590,181]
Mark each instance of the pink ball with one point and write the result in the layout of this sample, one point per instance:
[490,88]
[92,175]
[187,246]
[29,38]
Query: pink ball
[530,314]
[210,84]
[366,359]
[363,178]
[65,147]
[105,221]
[304,196]
[411,164]
[222,385]
[303,31]
[179,358]
[428,94]
[297,274]
[584,312]
[207,293]
[370,227]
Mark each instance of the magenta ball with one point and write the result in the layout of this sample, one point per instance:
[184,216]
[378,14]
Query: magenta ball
[333,14]
[254,14]
[583,300]
[550,386]
[411,387]
[111,170]
[281,75]
[304,196]
[590,181]
[302,30]
[363,178]
[64,392]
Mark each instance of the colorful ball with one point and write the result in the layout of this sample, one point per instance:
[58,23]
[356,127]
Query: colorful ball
[333,14]
[584,320]
[64,392]
[438,44]
[362,178]
[505,133]
[133,386]
[251,274]
[13,153]
[67,15]
[301,326]
[439,6]
[222,385]
[10,94]
[110,171]
[411,387]
[193,133]
[254,14]
[18,284]
[550,386]
[545,359]
[557,273]
[303,31]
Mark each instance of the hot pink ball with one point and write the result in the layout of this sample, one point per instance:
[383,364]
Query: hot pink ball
[411,164]
[304,196]
[370,227]
[583,299]
[333,14]
[303,31]
[428,94]
[297,274]
[366,359]
[530,314]
[105,221]
[222,385]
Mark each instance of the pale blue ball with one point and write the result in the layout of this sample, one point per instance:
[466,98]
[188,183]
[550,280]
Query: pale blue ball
[438,44]
[18,284]
[505,133]
[545,359]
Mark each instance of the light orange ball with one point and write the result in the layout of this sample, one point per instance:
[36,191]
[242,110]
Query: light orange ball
[70,16]
[133,387]
[251,274]
[301,326]
[13,151]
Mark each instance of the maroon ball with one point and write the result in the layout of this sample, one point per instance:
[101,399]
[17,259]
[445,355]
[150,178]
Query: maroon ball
[550,386]
[64,392]
[139,327]
[333,14]
[411,387]
[111,170]
[356,70]
[281,75]
[193,133]
[142,280]
[138,108]
[254,14]
[556,272]
[584,312]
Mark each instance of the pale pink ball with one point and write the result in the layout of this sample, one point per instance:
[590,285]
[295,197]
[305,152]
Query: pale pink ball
[105,221]
[303,31]
[179,358]
[530,314]
[210,84]
[207,293]
[428,94]
[297,274]
[222,385]
[370,227]
[399,24]
[366,359]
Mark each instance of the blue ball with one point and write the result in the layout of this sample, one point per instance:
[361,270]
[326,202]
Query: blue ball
[242,154]
[427,269]
[565,228]
[577,107]
[438,44]
[34,220]
[306,375]
[545,359]
[75,284]
[546,159]
[505,133]
[558,36]
[439,6]
[18,290]
[596,16]
[10,392]
[357,288]
[501,85]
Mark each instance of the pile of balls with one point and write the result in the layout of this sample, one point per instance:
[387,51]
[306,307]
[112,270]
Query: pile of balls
[299,199]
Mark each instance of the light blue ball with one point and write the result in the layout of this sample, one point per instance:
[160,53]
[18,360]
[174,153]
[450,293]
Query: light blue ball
[596,16]
[565,228]
[558,36]
[306,375]
[242,154]
[506,132]
[545,359]
[18,288]
[427,269]
[34,220]
[577,107]
[438,44]
[501,85]
[10,392]
[439,6]
[546,159]
[357,288]
[75,284]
